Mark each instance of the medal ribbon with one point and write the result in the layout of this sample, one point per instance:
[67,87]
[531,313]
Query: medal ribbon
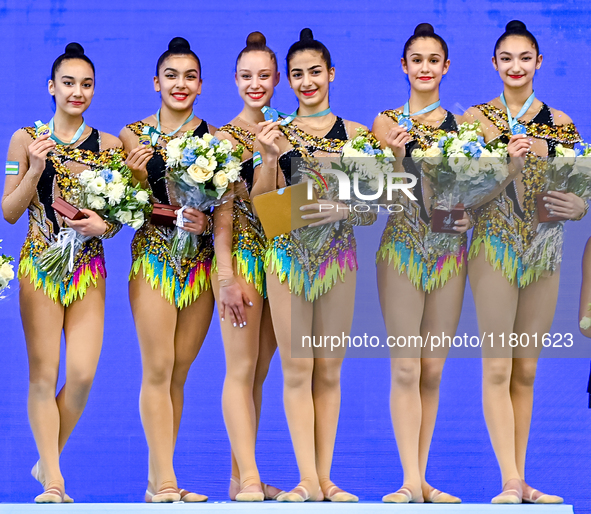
[274,114]
[429,108]
[524,109]
[51,125]
[158,130]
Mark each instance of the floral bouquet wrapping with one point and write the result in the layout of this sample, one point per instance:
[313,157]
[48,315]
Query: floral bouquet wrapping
[200,169]
[462,171]
[110,193]
[569,171]
[366,166]
[6,271]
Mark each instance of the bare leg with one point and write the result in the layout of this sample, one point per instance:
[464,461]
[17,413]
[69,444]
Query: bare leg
[496,305]
[155,322]
[241,346]
[42,323]
[402,308]
[535,312]
[297,376]
[441,316]
[333,316]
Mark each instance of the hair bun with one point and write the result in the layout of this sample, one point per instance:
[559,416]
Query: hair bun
[179,43]
[306,35]
[256,39]
[424,29]
[515,26]
[74,49]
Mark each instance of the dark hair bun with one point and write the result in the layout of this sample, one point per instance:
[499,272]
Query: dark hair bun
[515,26]
[74,49]
[424,29]
[256,39]
[179,43]
[306,35]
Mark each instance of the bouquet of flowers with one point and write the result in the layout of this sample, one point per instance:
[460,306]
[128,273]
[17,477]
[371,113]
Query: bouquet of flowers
[366,166]
[201,169]
[6,271]
[569,171]
[107,191]
[462,170]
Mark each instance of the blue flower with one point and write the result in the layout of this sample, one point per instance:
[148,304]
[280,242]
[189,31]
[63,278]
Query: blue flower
[107,175]
[481,140]
[189,157]
[214,141]
[442,142]
[472,148]
[367,148]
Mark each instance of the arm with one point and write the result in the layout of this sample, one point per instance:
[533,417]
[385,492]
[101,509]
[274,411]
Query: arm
[20,189]
[393,136]
[584,308]
[137,157]
[266,175]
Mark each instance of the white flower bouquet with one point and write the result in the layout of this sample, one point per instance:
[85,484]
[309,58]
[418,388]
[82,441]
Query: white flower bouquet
[568,171]
[6,271]
[107,191]
[366,166]
[201,169]
[462,170]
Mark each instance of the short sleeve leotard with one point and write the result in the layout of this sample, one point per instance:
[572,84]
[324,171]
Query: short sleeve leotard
[506,226]
[308,272]
[248,240]
[403,242]
[58,179]
[181,281]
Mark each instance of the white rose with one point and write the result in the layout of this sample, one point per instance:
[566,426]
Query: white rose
[433,155]
[117,177]
[417,155]
[124,217]
[226,145]
[115,192]
[220,180]
[142,197]
[455,146]
[95,203]
[6,272]
[212,164]
[86,176]
[469,135]
[138,220]
[388,153]
[585,323]
[199,174]
[207,137]
[173,152]
[210,153]
[582,166]
[565,156]
[458,163]
[97,185]
[202,161]
[232,170]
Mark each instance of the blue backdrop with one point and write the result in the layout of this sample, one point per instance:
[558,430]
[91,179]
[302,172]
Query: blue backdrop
[106,458]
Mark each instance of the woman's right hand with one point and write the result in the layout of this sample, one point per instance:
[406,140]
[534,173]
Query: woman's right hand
[396,139]
[137,161]
[232,301]
[268,135]
[38,151]
[518,146]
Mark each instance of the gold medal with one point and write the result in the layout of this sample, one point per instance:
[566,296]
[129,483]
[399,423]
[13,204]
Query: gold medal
[43,130]
[145,140]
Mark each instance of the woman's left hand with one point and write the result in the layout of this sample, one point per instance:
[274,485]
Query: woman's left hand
[92,226]
[462,225]
[197,221]
[325,211]
[567,205]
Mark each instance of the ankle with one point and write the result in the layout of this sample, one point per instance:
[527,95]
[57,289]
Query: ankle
[167,484]
[55,484]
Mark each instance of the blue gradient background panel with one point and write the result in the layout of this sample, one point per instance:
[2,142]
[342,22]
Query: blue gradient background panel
[106,457]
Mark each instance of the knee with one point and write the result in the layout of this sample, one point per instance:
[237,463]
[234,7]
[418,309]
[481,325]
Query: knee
[298,373]
[158,374]
[406,373]
[327,374]
[43,379]
[431,372]
[524,372]
[496,373]
[78,385]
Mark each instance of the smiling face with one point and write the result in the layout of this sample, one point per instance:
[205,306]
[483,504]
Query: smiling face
[425,64]
[516,61]
[309,77]
[179,82]
[73,86]
[256,78]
